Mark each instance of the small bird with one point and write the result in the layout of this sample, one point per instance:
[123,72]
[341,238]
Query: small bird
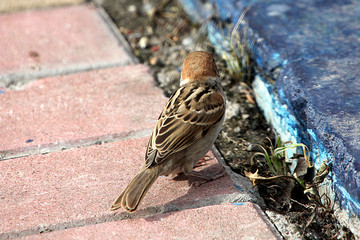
[185,130]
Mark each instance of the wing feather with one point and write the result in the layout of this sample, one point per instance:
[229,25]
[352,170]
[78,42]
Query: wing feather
[188,116]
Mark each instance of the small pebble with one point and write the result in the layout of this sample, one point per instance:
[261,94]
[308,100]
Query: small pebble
[132,9]
[143,42]
[149,30]
[149,9]
[153,61]
[187,41]
[237,129]
[245,116]
[232,109]
[175,38]
[155,48]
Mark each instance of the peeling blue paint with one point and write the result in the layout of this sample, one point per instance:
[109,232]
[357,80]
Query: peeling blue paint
[238,203]
[276,56]
[275,112]
[239,188]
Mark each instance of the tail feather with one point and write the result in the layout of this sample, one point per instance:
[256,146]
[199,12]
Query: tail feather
[131,197]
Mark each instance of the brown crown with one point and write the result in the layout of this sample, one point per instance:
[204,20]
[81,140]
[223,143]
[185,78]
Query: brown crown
[199,66]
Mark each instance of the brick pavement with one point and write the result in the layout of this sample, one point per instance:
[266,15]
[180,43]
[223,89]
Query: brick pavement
[88,107]
[56,41]
[93,123]
[209,222]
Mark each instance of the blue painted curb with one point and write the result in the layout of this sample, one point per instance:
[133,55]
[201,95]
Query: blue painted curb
[312,51]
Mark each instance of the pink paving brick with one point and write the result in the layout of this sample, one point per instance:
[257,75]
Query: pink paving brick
[89,106]
[77,186]
[212,222]
[63,39]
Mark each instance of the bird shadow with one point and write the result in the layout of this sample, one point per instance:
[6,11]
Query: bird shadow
[206,193]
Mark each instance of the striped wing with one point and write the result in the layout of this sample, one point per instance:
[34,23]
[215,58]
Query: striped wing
[189,115]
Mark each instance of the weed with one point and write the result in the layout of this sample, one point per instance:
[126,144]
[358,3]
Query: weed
[277,159]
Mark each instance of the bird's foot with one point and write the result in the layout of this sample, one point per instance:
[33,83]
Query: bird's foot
[197,179]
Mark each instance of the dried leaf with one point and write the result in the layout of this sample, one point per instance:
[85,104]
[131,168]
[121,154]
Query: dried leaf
[255,178]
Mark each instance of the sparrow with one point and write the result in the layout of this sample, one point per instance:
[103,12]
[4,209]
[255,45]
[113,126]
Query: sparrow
[185,130]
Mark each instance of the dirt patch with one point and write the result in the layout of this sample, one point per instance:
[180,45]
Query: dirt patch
[161,35]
